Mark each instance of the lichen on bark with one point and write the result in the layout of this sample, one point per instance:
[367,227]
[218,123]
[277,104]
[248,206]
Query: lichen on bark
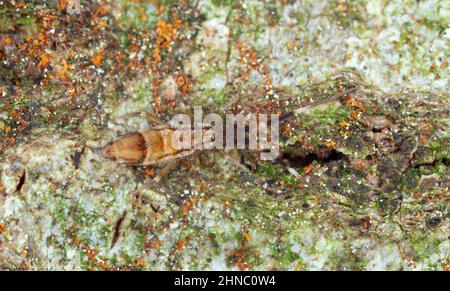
[368,81]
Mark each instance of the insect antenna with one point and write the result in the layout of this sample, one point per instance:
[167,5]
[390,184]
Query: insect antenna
[287,167]
[286,116]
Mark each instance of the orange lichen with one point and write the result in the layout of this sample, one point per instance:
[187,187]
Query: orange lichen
[90,252]
[143,15]
[444,64]
[155,244]
[308,169]
[159,9]
[2,228]
[226,203]
[423,138]
[353,103]
[187,204]
[184,83]
[166,33]
[98,58]
[180,244]
[25,266]
[240,258]
[359,164]
[245,232]
[139,263]
[45,60]
[249,59]
[358,109]
[344,123]
[330,144]
[203,186]
[65,68]
[20,4]
[7,40]
[248,236]
[102,10]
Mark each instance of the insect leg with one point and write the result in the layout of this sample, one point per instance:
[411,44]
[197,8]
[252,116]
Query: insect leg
[288,168]
[209,158]
[152,119]
[235,163]
[166,170]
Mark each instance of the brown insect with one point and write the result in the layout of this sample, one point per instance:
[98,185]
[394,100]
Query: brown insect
[149,147]
[154,146]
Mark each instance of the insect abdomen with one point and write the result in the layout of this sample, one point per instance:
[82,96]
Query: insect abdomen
[129,149]
[146,147]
